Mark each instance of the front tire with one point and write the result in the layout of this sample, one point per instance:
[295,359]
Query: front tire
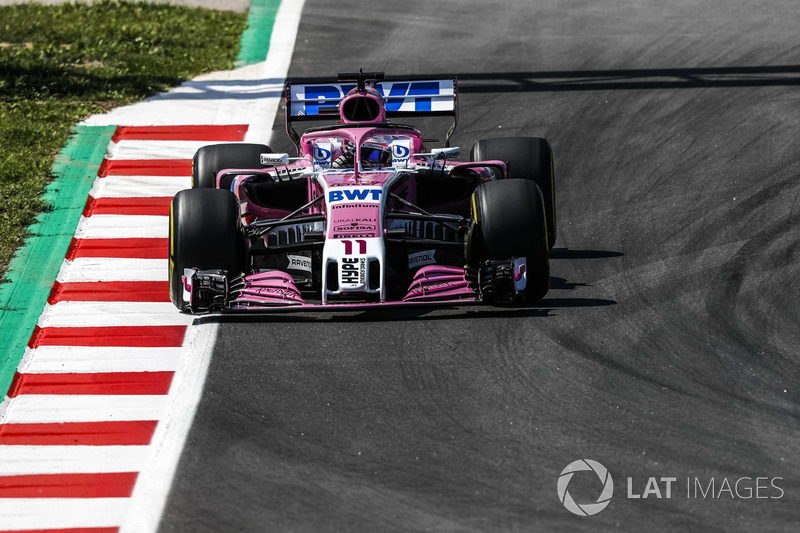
[528,158]
[510,223]
[204,234]
[209,160]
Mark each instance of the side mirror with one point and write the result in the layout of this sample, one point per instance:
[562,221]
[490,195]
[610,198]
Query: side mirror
[446,153]
[272,160]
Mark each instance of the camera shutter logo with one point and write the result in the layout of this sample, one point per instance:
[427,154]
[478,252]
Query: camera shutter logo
[587,509]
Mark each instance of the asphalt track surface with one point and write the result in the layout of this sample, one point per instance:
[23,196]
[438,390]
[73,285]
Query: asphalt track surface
[667,347]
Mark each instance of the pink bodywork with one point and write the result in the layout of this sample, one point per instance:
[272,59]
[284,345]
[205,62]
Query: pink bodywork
[353,221]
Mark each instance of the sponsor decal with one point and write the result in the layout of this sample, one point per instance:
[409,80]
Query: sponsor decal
[355,226]
[433,287]
[273,291]
[351,235]
[421,259]
[353,271]
[322,95]
[322,154]
[355,195]
[413,96]
[299,262]
[274,159]
[420,92]
[353,206]
[445,153]
[401,153]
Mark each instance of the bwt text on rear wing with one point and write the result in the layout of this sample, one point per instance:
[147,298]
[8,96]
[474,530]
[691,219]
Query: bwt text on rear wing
[404,98]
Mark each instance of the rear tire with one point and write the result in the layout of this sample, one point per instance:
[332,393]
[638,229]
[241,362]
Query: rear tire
[528,158]
[203,233]
[209,160]
[510,222]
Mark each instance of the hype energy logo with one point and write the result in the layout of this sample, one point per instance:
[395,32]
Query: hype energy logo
[605,483]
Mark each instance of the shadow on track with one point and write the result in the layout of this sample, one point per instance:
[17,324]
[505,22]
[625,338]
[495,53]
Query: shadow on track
[623,79]
[540,309]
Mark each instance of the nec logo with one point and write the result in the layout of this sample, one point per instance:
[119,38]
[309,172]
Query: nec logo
[354,195]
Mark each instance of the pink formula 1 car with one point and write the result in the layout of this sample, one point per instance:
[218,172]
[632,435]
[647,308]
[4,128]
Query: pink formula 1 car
[364,215]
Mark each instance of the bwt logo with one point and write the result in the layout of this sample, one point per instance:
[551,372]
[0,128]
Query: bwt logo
[395,94]
[321,154]
[353,195]
[400,152]
[586,509]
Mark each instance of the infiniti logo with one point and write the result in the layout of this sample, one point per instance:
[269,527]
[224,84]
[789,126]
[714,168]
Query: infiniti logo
[587,509]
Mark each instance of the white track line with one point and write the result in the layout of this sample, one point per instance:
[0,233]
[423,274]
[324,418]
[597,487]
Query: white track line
[154,483]
[83,314]
[139,186]
[81,360]
[103,269]
[33,460]
[250,95]
[61,513]
[55,408]
[123,227]
[151,491]
[126,149]
[281,47]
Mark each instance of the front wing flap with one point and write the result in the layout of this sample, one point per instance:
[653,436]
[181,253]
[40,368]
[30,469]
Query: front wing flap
[214,291]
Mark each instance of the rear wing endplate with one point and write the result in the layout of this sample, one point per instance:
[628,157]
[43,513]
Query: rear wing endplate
[404,98]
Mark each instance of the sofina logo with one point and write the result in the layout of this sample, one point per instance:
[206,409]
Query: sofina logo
[587,509]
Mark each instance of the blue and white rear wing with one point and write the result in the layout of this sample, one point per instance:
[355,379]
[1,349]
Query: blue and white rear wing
[404,98]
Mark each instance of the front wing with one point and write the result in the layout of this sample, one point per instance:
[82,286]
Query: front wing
[274,291]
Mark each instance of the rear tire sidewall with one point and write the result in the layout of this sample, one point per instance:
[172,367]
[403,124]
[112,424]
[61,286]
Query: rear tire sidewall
[209,160]
[510,223]
[204,234]
[528,158]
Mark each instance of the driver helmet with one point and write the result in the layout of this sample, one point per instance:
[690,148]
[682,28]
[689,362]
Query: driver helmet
[376,155]
[346,154]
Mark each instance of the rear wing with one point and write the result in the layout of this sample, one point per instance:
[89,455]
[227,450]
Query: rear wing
[404,98]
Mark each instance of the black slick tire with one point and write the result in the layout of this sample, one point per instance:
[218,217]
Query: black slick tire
[510,223]
[203,233]
[209,160]
[528,158]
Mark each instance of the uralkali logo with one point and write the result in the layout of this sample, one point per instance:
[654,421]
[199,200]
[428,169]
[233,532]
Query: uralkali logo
[586,509]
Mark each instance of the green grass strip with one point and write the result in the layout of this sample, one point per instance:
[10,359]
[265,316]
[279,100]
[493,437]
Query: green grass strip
[255,39]
[36,264]
[34,268]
